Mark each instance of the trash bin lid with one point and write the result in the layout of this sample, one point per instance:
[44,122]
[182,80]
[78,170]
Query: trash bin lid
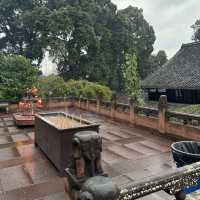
[189,148]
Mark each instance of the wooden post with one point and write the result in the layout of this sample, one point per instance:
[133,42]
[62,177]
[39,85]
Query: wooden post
[162,108]
[132,110]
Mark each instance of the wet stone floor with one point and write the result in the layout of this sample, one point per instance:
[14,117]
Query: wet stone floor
[129,154]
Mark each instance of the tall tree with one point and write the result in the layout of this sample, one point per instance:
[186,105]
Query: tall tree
[22,27]
[196,27]
[88,39]
[139,36]
[16,74]
[161,57]
[156,61]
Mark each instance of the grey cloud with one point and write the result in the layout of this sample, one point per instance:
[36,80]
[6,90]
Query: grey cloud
[171,20]
[167,3]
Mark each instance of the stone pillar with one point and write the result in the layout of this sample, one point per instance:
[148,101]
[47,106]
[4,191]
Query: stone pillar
[98,104]
[73,101]
[49,103]
[132,110]
[79,102]
[87,104]
[162,108]
[113,106]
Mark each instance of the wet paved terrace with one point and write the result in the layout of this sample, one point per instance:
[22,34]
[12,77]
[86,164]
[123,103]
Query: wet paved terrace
[129,154]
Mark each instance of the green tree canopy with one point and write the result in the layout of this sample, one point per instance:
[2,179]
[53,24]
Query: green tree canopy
[88,39]
[55,86]
[16,75]
[83,88]
[51,86]
[196,27]
[23,28]
[156,61]
[139,36]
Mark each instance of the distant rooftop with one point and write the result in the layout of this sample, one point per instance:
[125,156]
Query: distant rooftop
[182,71]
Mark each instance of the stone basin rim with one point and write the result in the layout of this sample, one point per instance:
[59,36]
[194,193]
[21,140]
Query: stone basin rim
[87,122]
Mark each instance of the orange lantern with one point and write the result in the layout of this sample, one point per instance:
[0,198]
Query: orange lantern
[39,103]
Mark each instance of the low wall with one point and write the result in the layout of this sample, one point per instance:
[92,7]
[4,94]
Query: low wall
[178,124]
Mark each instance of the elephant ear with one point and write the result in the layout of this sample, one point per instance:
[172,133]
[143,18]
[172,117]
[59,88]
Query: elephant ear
[76,141]
[86,196]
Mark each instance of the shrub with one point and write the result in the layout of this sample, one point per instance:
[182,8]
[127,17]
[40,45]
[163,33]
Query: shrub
[52,85]
[87,89]
[191,109]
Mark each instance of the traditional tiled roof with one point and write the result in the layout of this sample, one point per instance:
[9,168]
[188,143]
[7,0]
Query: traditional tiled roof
[181,72]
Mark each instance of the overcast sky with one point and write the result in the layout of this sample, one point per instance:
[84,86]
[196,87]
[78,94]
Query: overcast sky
[171,20]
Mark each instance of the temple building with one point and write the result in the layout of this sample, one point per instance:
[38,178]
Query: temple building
[179,78]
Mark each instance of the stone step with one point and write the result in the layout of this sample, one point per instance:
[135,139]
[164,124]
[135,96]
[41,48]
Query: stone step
[14,178]
[125,152]
[120,134]
[111,157]
[157,196]
[156,146]
[142,148]
[56,196]
[110,137]
[8,153]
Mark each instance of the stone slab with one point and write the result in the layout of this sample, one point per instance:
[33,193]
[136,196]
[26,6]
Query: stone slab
[13,178]
[40,171]
[125,152]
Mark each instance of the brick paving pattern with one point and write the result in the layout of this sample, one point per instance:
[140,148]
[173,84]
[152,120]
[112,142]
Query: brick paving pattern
[129,154]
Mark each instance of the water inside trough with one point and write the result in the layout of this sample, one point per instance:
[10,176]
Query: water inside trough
[64,122]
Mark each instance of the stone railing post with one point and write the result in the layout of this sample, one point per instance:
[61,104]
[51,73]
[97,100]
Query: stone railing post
[98,104]
[79,102]
[113,105]
[73,101]
[162,108]
[132,110]
[49,103]
[87,104]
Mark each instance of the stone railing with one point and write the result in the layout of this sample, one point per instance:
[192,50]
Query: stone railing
[166,122]
[160,119]
[145,111]
[183,118]
[173,183]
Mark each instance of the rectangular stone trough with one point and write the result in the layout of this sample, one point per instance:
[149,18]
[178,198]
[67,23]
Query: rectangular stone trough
[54,133]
